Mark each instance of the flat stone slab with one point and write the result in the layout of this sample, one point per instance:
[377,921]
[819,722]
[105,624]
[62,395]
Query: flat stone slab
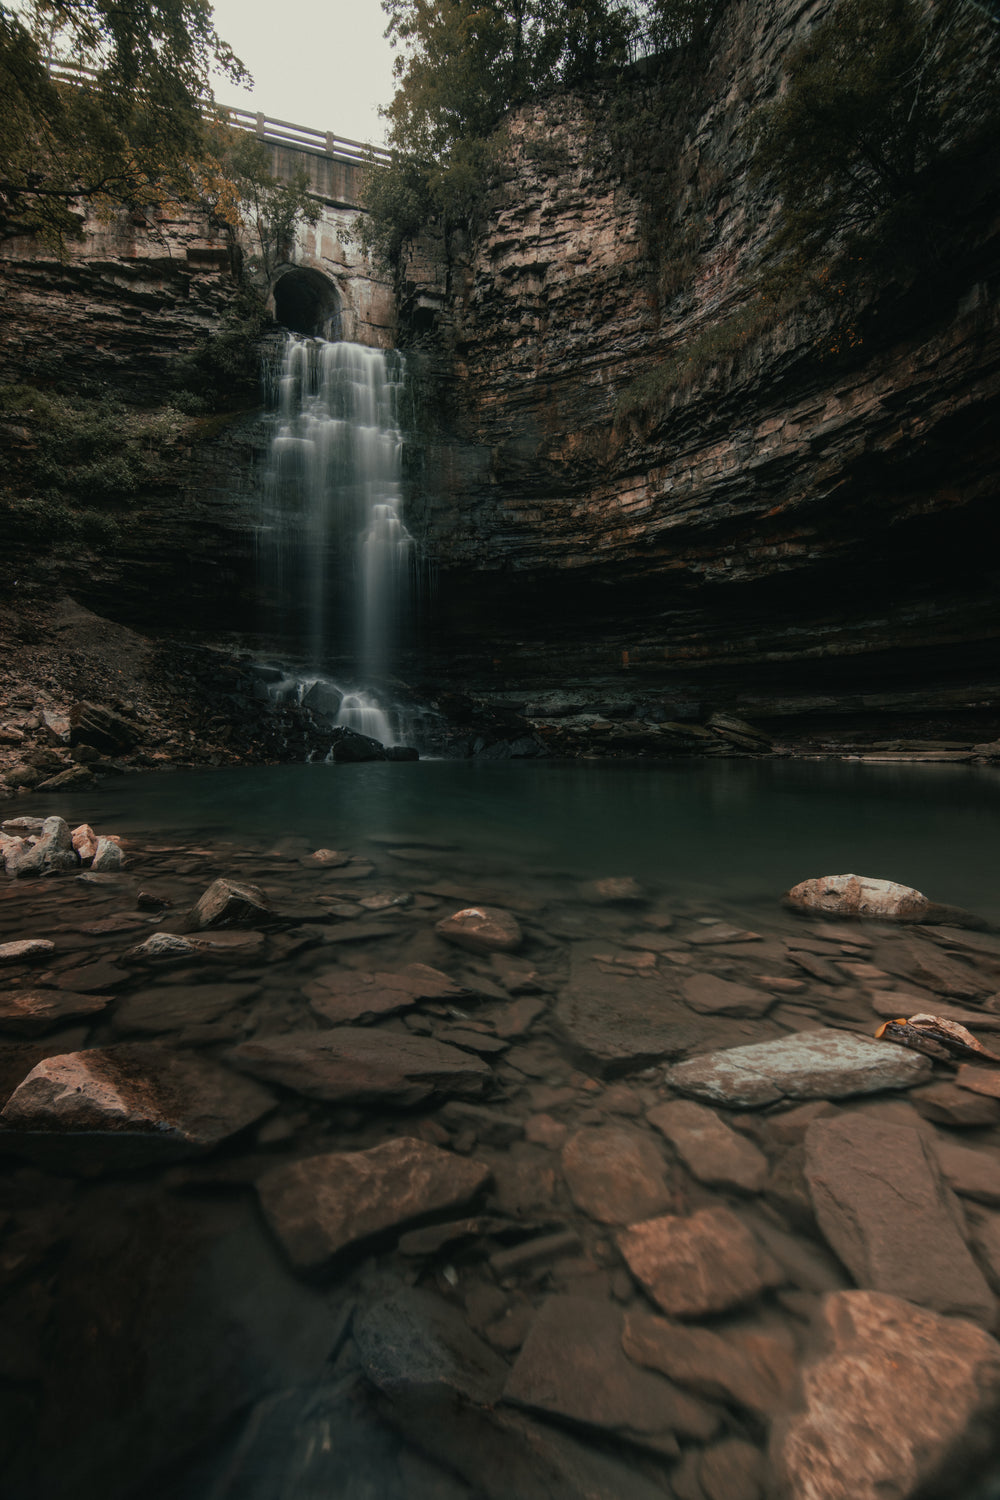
[353,995]
[758,1377]
[174,1007]
[884,1207]
[713,996]
[693,1267]
[127,1105]
[708,1148]
[26,951]
[325,1204]
[357,1065]
[176,947]
[615,1176]
[32,1012]
[414,1341]
[822,1064]
[902,1399]
[482,929]
[572,1366]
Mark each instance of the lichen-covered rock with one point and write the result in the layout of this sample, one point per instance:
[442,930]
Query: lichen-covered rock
[903,1401]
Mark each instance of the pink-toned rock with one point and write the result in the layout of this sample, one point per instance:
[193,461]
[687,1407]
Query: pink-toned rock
[692,1267]
[759,1380]
[344,996]
[883,1205]
[322,1205]
[946,1103]
[859,896]
[26,951]
[518,1018]
[615,1176]
[969,1172]
[572,1366]
[84,842]
[357,1065]
[713,996]
[979,1080]
[708,1148]
[732,1470]
[482,929]
[903,1400]
[543,1130]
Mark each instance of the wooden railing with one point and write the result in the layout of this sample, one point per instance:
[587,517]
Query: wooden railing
[272,132]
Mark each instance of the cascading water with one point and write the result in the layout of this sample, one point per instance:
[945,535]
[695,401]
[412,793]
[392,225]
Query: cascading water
[335,559]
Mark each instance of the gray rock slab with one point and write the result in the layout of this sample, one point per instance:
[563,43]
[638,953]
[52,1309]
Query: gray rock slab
[126,1105]
[572,1366]
[358,1065]
[886,1210]
[415,1341]
[698,1265]
[902,1401]
[821,1064]
[708,1148]
[617,1022]
[325,1204]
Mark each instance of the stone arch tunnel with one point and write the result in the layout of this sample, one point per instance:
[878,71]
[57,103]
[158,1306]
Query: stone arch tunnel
[307,302]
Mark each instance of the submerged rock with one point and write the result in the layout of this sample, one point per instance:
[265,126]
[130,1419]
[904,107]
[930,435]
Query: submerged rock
[416,1343]
[482,929]
[31,1012]
[809,1065]
[759,1377]
[231,903]
[323,1205]
[355,1065]
[885,1208]
[708,1148]
[615,1176]
[903,1401]
[693,1267]
[127,1105]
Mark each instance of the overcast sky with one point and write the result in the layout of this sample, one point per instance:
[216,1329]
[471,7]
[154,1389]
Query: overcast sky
[323,63]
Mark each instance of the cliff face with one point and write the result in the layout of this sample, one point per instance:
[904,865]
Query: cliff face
[791,526]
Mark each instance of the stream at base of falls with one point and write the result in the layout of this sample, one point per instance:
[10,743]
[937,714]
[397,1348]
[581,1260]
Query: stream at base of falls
[351,1216]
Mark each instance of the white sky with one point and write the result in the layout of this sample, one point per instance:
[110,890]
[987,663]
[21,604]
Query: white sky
[322,63]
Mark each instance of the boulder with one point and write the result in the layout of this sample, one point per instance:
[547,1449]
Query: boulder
[107,731]
[693,1267]
[482,929]
[26,951]
[822,1064]
[615,1176]
[902,1401]
[75,779]
[31,1012]
[230,903]
[864,896]
[325,1204]
[348,747]
[52,851]
[127,1106]
[108,857]
[572,1367]
[708,1148]
[355,1065]
[885,1208]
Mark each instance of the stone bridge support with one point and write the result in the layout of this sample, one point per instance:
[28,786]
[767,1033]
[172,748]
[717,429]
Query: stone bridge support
[328,288]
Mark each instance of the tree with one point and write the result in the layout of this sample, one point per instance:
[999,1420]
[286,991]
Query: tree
[232,175]
[876,148]
[125,130]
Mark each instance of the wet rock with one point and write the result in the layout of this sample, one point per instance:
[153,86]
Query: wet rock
[821,1064]
[902,1401]
[692,1267]
[416,1343]
[614,890]
[228,903]
[325,1204]
[75,779]
[863,896]
[31,1012]
[517,976]
[968,1172]
[718,933]
[616,1023]
[708,1148]
[402,752]
[356,995]
[23,828]
[491,1126]
[127,1105]
[353,1065]
[738,732]
[470,1040]
[482,929]
[713,996]
[52,851]
[176,1007]
[108,857]
[884,1207]
[572,1366]
[107,731]
[732,1470]
[175,947]
[348,747]
[936,971]
[615,1176]
[10,848]
[946,1103]
[26,951]
[760,1380]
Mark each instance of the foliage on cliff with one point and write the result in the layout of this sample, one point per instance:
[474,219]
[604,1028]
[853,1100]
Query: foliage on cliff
[464,64]
[126,129]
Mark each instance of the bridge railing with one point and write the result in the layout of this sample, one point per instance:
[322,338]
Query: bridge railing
[272,132]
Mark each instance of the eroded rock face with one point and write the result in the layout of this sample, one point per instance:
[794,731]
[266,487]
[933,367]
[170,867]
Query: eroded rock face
[323,1205]
[903,1398]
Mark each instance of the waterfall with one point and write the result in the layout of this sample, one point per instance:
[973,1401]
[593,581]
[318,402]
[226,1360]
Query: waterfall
[335,559]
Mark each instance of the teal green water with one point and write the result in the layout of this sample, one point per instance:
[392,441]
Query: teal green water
[737,830]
